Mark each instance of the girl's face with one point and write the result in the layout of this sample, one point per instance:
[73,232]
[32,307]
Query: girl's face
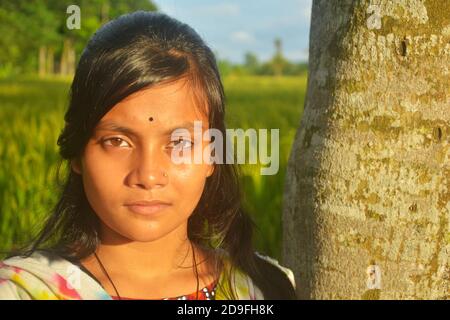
[120,166]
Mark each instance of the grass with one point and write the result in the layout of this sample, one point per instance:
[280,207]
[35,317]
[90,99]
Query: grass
[32,117]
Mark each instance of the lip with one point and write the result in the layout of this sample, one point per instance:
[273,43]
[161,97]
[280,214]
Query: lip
[145,207]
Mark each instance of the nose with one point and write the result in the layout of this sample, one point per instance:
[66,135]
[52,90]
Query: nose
[149,170]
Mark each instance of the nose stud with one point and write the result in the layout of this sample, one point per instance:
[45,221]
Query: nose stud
[165,174]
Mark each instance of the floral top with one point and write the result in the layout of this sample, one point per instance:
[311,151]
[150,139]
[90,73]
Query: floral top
[44,275]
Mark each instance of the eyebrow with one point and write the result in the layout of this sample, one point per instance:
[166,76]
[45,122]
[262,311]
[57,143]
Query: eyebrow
[112,126]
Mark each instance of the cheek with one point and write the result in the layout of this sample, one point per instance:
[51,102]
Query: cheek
[188,182]
[101,178]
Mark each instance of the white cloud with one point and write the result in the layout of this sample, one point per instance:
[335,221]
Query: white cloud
[242,37]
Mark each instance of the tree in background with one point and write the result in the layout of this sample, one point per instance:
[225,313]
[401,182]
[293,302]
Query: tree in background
[251,62]
[27,27]
[278,66]
[367,199]
[35,38]
[278,61]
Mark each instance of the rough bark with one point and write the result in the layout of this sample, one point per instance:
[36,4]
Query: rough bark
[368,178]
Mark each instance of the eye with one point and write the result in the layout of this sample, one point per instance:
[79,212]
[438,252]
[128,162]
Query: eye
[114,142]
[181,143]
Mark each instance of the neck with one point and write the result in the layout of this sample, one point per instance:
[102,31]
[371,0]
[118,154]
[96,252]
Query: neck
[159,258]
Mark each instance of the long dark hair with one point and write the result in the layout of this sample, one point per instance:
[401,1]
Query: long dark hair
[133,52]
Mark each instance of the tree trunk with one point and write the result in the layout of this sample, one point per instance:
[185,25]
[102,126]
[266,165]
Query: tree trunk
[50,60]
[367,193]
[71,58]
[63,61]
[42,60]
[67,66]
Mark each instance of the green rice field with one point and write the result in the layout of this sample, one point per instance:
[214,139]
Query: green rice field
[31,118]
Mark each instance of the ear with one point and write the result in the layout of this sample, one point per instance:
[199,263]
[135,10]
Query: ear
[76,165]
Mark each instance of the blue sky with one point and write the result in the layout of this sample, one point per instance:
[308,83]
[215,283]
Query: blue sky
[232,28]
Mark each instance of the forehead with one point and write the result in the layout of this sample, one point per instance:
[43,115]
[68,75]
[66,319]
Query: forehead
[168,104]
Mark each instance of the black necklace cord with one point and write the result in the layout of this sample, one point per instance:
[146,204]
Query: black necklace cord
[107,275]
[196,272]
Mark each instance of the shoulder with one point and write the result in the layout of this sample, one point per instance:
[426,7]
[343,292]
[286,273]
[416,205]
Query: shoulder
[42,275]
[245,287]
[38,262]
[18,274]
[288,272]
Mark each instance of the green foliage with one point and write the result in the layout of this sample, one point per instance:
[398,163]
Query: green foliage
[27,25]
[31,118]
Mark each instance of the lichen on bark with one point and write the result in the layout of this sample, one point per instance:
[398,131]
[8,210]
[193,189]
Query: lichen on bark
[369,174]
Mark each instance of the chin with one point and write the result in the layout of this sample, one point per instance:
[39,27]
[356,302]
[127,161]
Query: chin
[142,236]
